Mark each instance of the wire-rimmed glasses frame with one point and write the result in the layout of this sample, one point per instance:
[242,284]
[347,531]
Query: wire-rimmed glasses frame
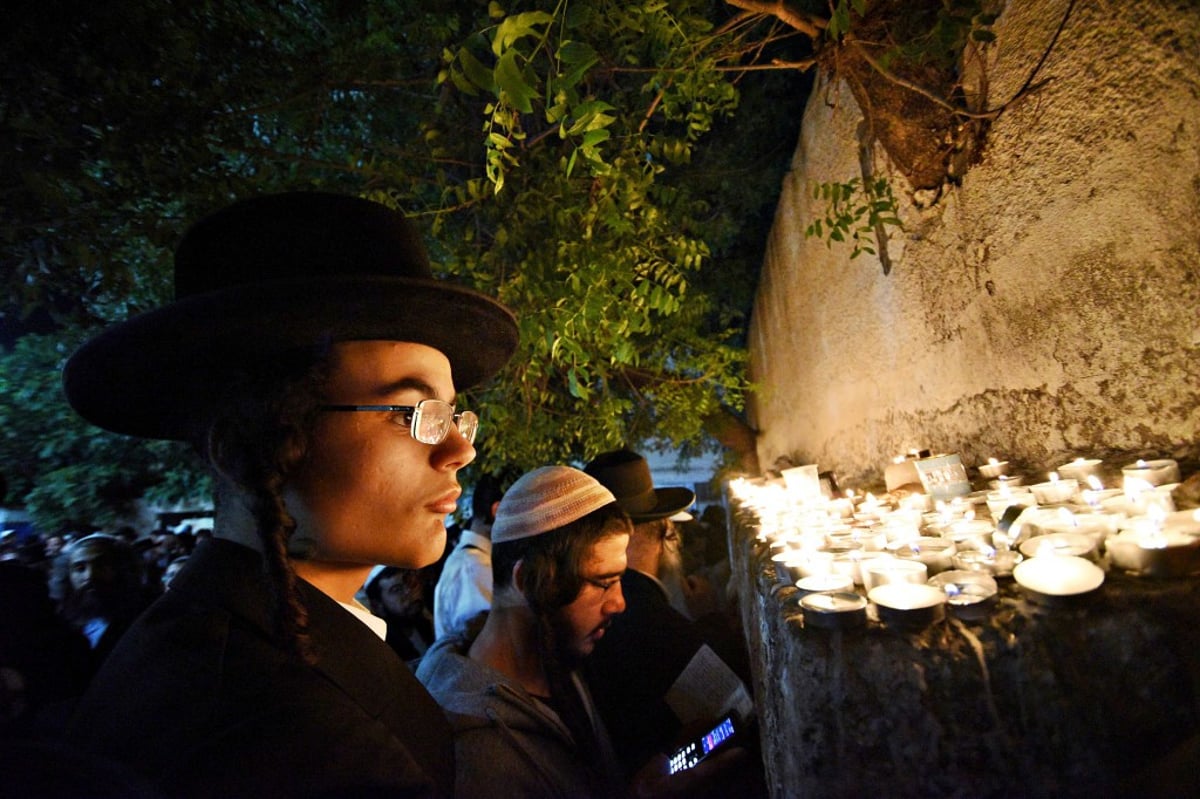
[428,421]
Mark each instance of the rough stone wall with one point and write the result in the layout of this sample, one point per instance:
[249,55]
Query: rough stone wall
[1046,307]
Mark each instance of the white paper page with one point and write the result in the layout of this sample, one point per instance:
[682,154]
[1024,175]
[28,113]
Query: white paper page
[708,688]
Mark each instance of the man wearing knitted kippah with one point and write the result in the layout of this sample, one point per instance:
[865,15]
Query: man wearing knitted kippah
[523,720]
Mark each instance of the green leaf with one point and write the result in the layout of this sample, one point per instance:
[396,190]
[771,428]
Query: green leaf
[515,28]
[476,72]
[512,83]
[594,137]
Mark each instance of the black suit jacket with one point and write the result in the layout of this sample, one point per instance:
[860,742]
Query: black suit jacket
[201,698]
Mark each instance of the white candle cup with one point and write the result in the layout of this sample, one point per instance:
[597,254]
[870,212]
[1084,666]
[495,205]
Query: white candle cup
[975,560]
[871,539]
[1148,500]
[818,583]
[1006,561]
[848,565]
[1054,492]
[1160,554]
[908,605]
[1076,545]
[833,610]
[993,469]
[902,525]
[1155,472]
[1095,498]
[806,564]
[1059,576]
[1006,481]
[1001,500]
[936,553]
[970,594]
[888,570]
[1081,469]
[996,562]
[970,531]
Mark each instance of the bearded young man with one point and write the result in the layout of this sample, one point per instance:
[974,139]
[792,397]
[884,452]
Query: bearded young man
[313,362]
[524,723]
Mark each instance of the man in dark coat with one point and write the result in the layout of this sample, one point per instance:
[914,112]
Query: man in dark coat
[635,670]
[313,362]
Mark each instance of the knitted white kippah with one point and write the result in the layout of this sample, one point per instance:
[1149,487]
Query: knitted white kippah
[545,499]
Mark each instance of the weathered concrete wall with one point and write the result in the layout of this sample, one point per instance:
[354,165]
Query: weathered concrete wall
[1049,305]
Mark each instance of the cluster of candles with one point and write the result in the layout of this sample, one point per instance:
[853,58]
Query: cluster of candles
[910,557]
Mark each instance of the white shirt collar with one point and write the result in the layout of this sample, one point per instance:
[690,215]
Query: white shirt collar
[377,625]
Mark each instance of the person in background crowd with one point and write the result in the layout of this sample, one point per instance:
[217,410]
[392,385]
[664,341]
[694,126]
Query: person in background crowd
[464,589]
[313,361]
[652,644]
[173,568]
[99,582]
[400,598]
[44,661]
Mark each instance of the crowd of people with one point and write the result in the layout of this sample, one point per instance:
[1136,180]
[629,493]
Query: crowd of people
[327,638]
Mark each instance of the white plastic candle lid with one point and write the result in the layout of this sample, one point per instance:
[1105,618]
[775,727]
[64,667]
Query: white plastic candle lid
[1061,575]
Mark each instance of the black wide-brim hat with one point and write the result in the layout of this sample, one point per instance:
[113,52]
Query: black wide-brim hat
[627,475]
[274,275]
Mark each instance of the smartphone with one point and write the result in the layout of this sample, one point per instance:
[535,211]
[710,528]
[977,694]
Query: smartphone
[701,747]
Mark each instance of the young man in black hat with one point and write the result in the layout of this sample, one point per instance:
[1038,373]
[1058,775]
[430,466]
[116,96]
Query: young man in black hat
[313,362]
[653,670]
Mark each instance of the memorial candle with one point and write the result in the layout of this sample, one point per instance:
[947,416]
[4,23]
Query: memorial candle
[886,570]
[993,469]
[936,553]
[1155,472]
[1081,469]
[1056,491]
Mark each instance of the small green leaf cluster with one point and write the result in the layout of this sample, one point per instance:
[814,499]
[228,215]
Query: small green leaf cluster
[854,211]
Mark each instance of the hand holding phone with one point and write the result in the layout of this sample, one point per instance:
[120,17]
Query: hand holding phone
[702,746]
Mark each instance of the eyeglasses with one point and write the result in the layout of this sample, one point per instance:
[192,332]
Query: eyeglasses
[603,585]
[428,421]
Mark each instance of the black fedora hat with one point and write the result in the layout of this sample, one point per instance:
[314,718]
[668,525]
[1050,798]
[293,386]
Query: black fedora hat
[627,475]
[272,275]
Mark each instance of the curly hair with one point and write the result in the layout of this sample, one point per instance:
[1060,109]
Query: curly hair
[254,436]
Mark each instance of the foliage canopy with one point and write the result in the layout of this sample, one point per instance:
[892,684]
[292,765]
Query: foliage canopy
[608,169]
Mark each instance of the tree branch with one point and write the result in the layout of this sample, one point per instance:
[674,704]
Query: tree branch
[809,25]
[913,87]
[1027,87]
